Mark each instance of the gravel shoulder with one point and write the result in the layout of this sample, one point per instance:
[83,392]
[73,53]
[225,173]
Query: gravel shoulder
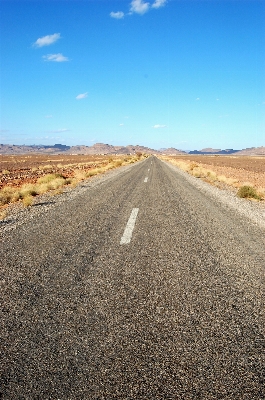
[17,214]
[252,210]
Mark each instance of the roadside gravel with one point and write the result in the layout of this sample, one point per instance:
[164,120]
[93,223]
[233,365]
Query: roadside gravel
[17,214]
[253,210]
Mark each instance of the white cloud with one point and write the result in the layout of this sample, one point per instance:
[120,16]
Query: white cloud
[81,96]
[159,3]
[117,15]
[121,124]
[197,99]
[139,6]
[48,116]
[47,40]
[55,57]
[159,126]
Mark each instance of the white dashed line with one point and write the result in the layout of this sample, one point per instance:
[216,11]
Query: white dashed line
[127,235]
[146,179]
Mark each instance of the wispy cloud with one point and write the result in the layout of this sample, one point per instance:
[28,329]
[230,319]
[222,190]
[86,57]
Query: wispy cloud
[47,40]
[81,96]
[55,57]
[117,15]
[198,99]
[121,124]
[139,6]
[48,116]
[159,126]
[159,3]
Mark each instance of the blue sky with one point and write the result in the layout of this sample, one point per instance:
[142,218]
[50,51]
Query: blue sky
[160,73]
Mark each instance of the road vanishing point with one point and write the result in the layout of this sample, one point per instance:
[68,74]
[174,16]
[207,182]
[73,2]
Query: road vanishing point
[141,287]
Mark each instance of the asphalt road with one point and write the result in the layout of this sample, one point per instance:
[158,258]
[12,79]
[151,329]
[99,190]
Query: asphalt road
[174,310]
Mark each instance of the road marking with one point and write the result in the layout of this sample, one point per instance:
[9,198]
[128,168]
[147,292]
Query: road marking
[148,169]
[127,234]
[146,179]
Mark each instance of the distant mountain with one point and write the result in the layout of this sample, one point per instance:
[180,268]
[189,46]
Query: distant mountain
[214,151]
[97,148]
[171,151]
[102,148]
[253,151]
[23,149]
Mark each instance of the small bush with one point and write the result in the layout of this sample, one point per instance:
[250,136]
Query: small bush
[248,192]
[92,172]
[27,201]
[3,214]
[48,178]
[8,194]
[79,174]
[27,190]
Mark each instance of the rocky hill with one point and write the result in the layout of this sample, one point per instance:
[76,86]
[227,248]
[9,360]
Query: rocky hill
[102,148]
[209,150]
[171,151]
[253,151]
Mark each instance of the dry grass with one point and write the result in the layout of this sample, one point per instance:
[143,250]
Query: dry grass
[197,170]
[27,201]
[54,182]
[3,214]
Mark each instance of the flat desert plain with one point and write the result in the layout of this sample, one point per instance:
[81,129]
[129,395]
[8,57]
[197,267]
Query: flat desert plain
[234,171]
[16,170]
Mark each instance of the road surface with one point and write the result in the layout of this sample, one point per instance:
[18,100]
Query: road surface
[140,288]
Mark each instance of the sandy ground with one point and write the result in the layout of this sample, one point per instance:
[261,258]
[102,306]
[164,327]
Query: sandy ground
[15,170]
[244,169]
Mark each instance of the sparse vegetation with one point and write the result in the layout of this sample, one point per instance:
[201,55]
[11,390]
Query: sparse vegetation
[56,176]
[27,201]
[198,170]
[248,192]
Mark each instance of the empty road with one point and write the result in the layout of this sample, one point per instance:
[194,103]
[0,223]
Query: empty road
[140,288]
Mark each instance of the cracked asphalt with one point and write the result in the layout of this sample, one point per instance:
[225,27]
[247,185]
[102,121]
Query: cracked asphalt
[177,313]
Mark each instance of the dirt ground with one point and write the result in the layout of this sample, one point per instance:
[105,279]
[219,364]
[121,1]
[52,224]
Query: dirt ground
[244,169]
[16,170]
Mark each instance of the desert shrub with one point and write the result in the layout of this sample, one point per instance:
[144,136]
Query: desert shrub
[211,175]
[79,174]
[193,165]
[248,192]
[27,201]
[92,172]
[3,214]
[27,189]
[6,195]
[57,183]
[48,178]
